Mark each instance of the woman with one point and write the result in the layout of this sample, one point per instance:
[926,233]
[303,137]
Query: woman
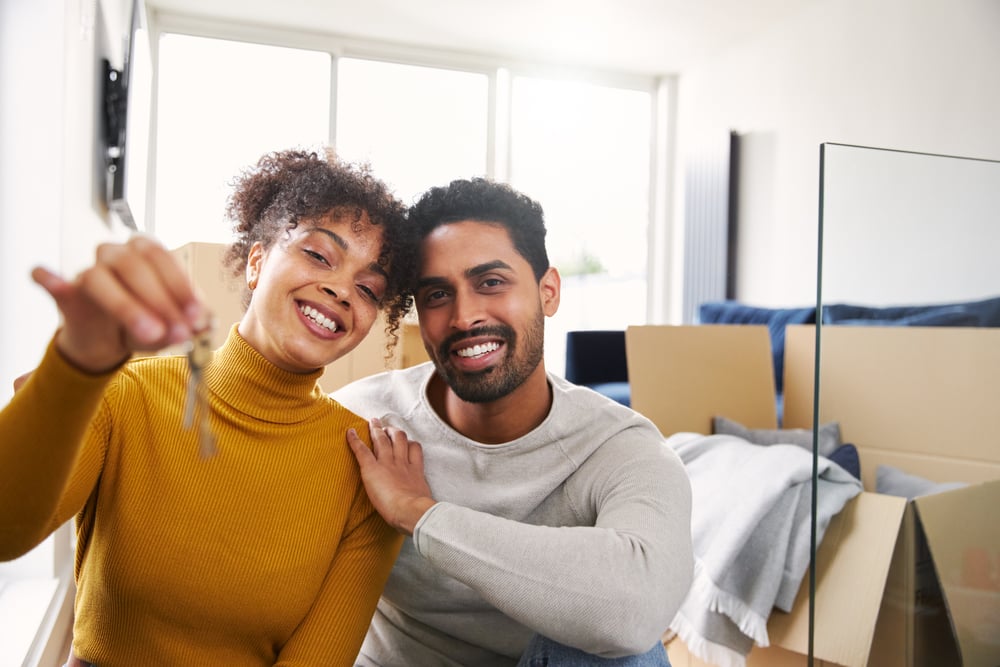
[267,552]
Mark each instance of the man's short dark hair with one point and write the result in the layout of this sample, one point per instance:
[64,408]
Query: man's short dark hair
[487,201]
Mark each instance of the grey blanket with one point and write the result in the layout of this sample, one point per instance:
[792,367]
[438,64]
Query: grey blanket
[750,525]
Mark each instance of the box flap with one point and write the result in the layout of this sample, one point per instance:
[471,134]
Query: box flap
[852,564]
[682,376]
[963,534]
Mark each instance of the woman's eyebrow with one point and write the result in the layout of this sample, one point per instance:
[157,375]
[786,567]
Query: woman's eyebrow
[337,238]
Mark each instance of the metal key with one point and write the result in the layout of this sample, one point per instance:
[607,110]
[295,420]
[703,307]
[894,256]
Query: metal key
[196,405]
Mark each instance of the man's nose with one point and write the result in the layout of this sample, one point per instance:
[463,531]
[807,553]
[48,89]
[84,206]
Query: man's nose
[468,312]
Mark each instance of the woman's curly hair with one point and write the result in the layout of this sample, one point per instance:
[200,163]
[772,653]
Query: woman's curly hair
[286,187]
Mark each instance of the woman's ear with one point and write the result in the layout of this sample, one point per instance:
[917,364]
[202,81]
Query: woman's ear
[549,289]
[254,260]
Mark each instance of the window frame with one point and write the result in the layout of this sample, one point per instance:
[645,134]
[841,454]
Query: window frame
[661,281]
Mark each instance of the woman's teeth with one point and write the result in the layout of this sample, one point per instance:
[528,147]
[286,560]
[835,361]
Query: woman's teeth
[477,350]
[318,317]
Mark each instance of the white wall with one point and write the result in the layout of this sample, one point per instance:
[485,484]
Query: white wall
[50,187]
[917,75]
[51,213]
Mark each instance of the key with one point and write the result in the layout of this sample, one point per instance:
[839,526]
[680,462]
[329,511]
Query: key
[196,404]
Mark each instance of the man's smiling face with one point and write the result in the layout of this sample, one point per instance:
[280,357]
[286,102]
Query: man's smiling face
[481,309]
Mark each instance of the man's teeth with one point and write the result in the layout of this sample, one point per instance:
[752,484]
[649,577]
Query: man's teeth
[477,350]
[318,317]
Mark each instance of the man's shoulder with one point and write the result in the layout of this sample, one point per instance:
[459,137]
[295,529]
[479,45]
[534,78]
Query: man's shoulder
[603,419]
[380,391]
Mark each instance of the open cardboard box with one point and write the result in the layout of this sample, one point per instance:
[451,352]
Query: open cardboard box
[897,582]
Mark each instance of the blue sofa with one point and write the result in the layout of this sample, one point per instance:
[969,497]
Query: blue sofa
[979,313]
[596,359]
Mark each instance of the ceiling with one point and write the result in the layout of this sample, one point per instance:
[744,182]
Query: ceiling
[637,36]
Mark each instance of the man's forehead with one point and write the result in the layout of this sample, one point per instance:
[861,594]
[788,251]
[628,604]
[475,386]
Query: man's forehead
[460,246]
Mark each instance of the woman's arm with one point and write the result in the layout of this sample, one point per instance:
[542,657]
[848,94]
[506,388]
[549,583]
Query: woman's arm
[335,628]
[42,429]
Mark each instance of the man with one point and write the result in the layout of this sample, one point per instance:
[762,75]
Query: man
[548,523]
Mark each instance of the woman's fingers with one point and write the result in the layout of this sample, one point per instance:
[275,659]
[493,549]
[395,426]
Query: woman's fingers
[144,287]
[175,281]
[388,441]
[135,297]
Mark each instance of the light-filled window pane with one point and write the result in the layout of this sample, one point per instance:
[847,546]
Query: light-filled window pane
[417,126]
[583,151]
[220,106]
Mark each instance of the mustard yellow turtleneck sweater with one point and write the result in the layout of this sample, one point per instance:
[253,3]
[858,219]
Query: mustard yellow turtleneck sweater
[268,553]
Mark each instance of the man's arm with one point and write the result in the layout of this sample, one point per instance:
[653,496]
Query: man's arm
[609,589]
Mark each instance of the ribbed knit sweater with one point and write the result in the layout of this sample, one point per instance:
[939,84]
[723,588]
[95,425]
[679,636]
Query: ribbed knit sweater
[267,553]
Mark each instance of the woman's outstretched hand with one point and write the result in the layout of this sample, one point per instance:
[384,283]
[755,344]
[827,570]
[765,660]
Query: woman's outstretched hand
[135,298]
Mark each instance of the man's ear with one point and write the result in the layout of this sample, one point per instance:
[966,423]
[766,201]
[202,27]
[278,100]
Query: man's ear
[549,288]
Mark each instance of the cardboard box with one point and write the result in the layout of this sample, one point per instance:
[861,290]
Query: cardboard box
[915,398]
[224,294]
[897,582]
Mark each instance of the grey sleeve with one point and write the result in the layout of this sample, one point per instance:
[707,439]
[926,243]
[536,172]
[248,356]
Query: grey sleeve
[610,589]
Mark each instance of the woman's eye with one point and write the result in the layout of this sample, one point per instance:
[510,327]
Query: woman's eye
[317,256]
[369,293]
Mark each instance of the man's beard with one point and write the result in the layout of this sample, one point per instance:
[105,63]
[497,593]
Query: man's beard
[521,358]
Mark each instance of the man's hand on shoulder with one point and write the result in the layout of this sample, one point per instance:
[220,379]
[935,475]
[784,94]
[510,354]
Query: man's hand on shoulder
[393,475]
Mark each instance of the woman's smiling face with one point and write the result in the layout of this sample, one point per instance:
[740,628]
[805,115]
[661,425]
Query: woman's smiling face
[316,292]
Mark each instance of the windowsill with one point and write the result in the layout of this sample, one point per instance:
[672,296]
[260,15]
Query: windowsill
[35,617]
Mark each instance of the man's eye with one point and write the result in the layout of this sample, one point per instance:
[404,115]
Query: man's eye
[435,295]
[491,282]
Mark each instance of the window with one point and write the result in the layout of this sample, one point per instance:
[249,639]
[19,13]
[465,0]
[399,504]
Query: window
[221,105]
[582,149]
[418,126]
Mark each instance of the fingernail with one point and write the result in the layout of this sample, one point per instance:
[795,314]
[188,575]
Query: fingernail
[147,329]
[351,431]
[179,333]
[198,317]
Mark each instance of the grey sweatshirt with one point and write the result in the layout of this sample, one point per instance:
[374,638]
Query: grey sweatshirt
[580,531]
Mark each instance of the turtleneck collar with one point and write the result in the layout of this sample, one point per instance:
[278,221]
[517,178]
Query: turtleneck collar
[241,377]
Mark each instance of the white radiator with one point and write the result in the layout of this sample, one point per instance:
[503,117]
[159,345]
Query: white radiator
[709,203]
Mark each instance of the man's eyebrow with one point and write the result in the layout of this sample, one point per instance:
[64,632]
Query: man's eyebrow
[339,240]
[429,281]
[486,267]
[471,272]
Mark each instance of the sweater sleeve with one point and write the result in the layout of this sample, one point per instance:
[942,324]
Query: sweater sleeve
[332,633]
[41,432]
[610,589]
